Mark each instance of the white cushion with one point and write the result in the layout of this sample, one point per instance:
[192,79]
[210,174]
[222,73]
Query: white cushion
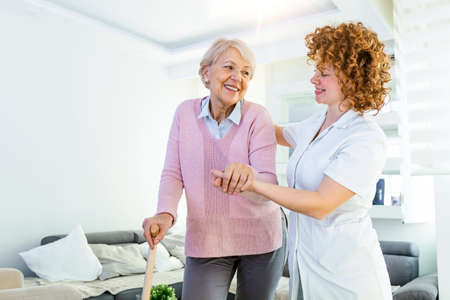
[69,258]
[178,252]
[174,243]
[119,260]
[163,261]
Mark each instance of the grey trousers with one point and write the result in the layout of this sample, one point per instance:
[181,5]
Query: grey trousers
[257,275]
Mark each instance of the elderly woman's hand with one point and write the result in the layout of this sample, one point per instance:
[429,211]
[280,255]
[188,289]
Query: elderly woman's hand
[163,220]
[235,178]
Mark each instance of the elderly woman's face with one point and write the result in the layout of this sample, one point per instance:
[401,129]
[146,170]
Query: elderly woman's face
[228,77]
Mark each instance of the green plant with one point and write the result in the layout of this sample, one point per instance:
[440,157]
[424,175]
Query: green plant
[162,292]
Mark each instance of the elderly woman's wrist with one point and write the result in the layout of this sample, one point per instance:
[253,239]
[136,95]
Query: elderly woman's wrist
[168,216]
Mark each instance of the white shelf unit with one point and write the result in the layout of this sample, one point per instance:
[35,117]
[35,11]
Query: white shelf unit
[386,212]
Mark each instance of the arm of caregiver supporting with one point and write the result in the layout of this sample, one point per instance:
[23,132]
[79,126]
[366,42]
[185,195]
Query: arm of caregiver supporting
[352,169]
[317,204]
[281,140]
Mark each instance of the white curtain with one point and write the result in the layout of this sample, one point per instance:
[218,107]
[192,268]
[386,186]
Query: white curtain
[422,34]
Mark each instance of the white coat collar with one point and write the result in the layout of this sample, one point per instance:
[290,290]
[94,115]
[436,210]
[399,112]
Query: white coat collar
[344,121]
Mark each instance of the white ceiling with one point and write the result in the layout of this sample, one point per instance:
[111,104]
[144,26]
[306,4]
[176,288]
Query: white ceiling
[177,32]
[180,23]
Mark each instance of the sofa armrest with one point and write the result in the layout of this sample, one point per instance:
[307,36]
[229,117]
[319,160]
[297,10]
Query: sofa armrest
[10,278]
[422,288]
[49,292]
[399,248]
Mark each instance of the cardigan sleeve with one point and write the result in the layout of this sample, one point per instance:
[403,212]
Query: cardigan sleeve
[171,183]
[262,147]
[262,150]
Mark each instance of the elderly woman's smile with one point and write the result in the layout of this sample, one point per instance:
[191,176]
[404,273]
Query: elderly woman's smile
[227,81]
[231,87]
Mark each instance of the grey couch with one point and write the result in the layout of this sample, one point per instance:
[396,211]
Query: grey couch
[115,238]
[402,261]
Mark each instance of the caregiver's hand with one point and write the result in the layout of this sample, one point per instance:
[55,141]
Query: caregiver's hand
[236,178]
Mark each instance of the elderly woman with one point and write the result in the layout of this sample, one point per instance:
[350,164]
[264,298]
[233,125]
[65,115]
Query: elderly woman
[332,173]
[225,233]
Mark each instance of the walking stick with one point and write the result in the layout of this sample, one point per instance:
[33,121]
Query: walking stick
[154,230]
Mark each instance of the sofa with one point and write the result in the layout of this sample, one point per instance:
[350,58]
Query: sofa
[402,260]
[12,288]
[127,287]
[123,287]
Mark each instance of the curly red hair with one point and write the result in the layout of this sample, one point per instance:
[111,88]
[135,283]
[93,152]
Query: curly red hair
[358,57]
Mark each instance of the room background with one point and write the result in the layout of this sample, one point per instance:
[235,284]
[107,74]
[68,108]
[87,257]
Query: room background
[85,113]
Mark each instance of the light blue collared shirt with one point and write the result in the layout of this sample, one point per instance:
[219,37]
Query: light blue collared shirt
[219,130]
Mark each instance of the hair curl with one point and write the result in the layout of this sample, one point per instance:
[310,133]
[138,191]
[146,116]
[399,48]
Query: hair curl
[358,57]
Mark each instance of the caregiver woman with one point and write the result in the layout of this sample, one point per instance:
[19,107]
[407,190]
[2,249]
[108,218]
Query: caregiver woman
[225,233]
[338,157]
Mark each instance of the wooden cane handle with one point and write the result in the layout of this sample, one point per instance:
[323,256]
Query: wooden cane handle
[154,230]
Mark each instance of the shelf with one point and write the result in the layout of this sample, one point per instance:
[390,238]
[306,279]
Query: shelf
[392,166]
[429,171]
[386,212]
[389,119]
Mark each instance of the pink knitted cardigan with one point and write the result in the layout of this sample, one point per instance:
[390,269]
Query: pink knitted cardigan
[218,224]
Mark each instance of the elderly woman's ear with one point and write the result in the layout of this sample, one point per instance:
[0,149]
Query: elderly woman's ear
[205,76]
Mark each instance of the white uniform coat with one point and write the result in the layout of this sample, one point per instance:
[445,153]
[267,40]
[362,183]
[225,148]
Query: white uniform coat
[338,257]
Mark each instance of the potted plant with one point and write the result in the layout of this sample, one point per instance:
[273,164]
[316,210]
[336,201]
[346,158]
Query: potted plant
[162,292]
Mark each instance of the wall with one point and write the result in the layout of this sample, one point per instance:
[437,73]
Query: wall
[442,182]
[82,128]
